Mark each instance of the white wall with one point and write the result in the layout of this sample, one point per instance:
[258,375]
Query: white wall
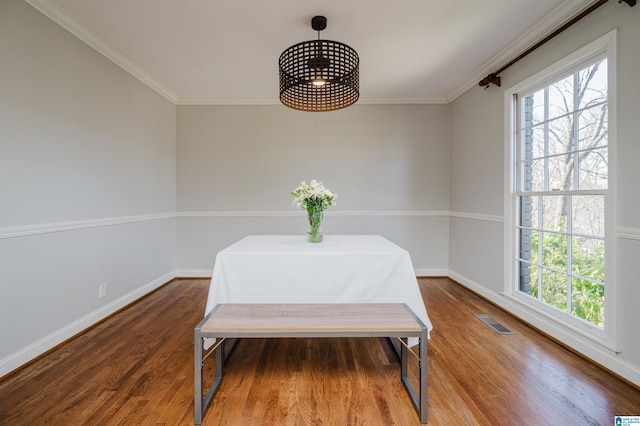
[87,185]
[477,180]
[237,165]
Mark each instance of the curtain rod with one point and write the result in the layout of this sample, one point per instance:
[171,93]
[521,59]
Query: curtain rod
[495,79]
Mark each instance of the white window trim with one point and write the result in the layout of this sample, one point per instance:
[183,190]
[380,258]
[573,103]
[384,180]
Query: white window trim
[539,316]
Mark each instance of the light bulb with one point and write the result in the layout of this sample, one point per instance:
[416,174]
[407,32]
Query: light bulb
[318,82]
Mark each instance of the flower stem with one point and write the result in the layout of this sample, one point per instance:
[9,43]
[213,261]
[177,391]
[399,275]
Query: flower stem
[315,221]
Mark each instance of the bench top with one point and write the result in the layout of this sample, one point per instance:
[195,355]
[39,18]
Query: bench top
[300,319]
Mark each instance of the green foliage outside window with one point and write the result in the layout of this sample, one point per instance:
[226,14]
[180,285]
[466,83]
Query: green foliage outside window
[587,296]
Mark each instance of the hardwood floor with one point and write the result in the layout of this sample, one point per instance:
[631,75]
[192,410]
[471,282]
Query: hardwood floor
[136,368]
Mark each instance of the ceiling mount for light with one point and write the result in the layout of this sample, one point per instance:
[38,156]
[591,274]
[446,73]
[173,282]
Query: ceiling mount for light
[319,75]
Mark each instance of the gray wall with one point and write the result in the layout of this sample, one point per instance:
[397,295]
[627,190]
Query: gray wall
[237,165]
[478,175]
[87,185]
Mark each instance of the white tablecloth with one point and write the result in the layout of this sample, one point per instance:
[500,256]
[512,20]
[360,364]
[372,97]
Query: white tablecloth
[340,269]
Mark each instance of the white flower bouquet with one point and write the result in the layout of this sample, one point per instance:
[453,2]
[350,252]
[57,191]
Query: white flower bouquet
[315,199]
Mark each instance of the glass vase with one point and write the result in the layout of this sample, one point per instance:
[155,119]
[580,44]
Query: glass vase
[315,226]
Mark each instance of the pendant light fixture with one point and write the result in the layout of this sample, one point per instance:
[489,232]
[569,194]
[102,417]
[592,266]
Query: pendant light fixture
[319,75]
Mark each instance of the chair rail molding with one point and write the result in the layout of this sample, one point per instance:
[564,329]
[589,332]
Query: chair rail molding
[47,228]
[279,213]
[477,216]
[629,233]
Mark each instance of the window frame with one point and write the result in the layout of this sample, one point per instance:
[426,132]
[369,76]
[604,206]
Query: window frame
[603,47]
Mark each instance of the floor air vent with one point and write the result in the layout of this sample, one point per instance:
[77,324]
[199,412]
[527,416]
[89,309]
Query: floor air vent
[494,324]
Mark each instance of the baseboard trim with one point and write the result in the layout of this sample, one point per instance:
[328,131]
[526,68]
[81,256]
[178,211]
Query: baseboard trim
[592,351]
[573,341]
[43,345]
[432,272]
[206,273]
[193,273]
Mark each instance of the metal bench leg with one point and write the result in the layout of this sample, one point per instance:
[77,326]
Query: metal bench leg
[197,377]
[419,399]
[201,406]
[424,376]
[404,352]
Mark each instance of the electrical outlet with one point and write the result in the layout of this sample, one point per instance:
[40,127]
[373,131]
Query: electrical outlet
[102,290]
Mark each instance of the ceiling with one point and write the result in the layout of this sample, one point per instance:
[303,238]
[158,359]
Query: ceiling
[226,51]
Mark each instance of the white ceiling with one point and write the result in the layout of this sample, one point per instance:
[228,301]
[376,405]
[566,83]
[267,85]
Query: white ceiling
[226,51]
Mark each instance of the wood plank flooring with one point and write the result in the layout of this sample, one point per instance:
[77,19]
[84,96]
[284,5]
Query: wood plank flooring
[136,368]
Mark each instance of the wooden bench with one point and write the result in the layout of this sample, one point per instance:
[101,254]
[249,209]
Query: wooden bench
[393,320]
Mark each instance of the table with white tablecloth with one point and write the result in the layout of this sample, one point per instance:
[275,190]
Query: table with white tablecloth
[340,269]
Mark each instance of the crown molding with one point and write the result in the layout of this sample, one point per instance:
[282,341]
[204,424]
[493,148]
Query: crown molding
[275,101]
[227,101]
[403,101]
[63,18]
[545,26]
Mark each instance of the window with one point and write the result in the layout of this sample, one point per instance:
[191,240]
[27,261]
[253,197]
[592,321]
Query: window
[560,197]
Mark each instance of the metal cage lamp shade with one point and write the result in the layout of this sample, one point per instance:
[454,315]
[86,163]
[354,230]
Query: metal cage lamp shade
[319,75]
